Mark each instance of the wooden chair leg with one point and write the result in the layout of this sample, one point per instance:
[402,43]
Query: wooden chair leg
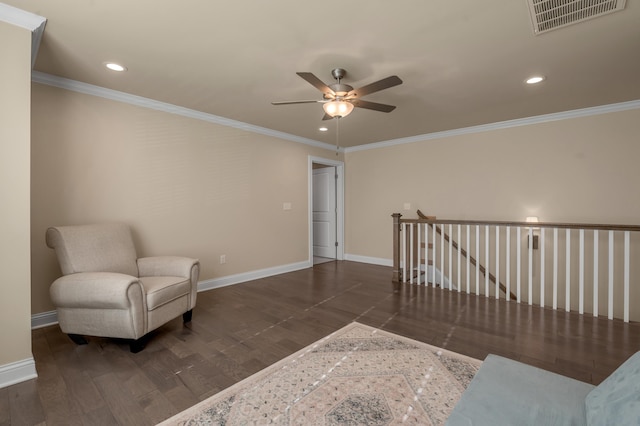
[78,339]
[186,317]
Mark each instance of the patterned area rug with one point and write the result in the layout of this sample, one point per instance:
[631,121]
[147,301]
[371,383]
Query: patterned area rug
[358,375]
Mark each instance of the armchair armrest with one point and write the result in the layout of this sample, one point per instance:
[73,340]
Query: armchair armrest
[97,290]
[168,266]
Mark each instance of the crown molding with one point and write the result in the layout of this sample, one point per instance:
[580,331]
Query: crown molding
[114,95]
[21,18]
[27,20]
[565,115]
[90,89]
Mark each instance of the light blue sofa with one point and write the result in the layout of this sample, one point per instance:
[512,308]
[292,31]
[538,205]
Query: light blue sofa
[507,392]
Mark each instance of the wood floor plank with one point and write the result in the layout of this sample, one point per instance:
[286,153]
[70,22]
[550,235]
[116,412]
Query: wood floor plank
[123,406]
[79,383]
[5,417]
[241,329]
[25,407]
[59,407]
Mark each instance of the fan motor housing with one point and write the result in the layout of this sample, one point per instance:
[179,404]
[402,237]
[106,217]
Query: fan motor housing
[340,89]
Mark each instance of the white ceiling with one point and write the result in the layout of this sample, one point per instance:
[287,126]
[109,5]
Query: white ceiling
[463,63]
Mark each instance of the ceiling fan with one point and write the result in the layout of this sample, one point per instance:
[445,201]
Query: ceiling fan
[339,99]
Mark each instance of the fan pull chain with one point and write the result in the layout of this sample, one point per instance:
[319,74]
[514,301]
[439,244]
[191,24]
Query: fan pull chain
[337,135]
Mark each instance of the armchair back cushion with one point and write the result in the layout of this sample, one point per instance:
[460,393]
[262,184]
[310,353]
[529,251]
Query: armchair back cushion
[94,248]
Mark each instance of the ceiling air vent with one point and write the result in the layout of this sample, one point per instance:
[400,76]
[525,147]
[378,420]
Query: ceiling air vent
[547,15]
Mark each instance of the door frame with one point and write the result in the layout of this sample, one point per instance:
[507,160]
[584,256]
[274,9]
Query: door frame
[339,165]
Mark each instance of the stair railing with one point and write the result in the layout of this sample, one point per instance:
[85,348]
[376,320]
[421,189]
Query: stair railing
[463,252]
[574,266]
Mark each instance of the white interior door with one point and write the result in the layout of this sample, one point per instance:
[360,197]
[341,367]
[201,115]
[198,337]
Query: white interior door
[324,212]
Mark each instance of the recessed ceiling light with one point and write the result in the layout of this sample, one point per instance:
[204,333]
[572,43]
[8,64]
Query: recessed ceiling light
[115,67]
[535,79]
[323,129]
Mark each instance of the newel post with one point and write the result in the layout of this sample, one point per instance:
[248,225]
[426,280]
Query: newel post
[395,278]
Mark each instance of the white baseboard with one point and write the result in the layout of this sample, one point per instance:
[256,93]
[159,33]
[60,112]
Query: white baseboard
[366,259]
[44,319]
[252,275]
[17,372]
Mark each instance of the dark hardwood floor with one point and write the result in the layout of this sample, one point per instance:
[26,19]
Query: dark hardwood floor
[241,329]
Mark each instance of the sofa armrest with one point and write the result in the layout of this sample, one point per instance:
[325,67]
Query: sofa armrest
[97,290]
[167,266]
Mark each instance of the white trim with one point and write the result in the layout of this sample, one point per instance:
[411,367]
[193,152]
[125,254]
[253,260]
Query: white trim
[576,113]
[114,95]
[90,89]
[339,165]
[44,319]
[21,18]
[251,275]
[17,372]
[27,20]
[366,259]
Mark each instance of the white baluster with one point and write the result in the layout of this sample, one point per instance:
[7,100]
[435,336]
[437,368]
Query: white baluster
[610,301]
[486,261]
[477,260]
[581,275]
[459,277]
[518,261]
[567,280]
[530,284]
[411,253]
[419,254]
[435,251]
[468,260]
[404,252]
[542,254]
[555,268]
[508,264]
[442,257]
[497,262]
[450,255]
[626,276]
[426,254]
[595,272]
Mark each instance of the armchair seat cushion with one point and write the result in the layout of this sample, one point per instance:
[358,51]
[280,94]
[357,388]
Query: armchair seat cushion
[162,290]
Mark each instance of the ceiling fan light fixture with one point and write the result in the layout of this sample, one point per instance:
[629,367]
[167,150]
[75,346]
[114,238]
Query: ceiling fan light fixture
[338,108]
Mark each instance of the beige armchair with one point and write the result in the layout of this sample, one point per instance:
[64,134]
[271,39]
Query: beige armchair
[107,291]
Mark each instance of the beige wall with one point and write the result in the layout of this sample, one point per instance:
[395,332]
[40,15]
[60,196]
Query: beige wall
[186,187]
[576,170]
[15,87]
[200,189]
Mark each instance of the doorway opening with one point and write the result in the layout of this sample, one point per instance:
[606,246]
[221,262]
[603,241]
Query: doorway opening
[326,210]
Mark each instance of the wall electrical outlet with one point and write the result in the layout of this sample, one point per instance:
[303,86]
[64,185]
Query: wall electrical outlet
[407,206]
[223,258]
[286,206]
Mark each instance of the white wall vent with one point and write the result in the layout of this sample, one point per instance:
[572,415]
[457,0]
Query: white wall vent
[547,15]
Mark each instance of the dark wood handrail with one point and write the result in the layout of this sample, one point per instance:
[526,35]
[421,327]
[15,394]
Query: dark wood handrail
[464,253]
[608,227]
